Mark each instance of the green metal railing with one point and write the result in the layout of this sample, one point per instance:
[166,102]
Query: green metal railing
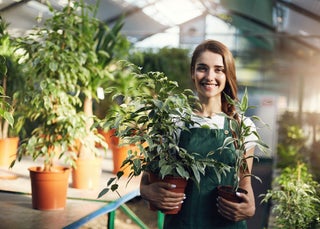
[111,208]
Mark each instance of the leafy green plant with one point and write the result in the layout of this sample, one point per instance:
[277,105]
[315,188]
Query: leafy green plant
[152,121]
[11,83]
[292,139]
[5,108]
[173,62]
[73,49]
[296,198]
[240,131]
[60,58]
[58,123]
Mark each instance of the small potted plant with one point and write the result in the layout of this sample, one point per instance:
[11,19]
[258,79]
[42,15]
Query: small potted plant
[240,131]
[152,121]
[295,198]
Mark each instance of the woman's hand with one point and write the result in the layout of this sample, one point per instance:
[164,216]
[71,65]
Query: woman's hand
[160,195]
[237,211]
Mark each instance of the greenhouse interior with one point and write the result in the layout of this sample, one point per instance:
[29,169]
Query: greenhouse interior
[82,83]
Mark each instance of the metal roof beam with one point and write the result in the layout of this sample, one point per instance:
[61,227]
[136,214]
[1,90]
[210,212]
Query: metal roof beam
[300,10]
[14,4]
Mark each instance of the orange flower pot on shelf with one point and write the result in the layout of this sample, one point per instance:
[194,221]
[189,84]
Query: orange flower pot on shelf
[119,154]
[49,188]
[8,151]
[87,173]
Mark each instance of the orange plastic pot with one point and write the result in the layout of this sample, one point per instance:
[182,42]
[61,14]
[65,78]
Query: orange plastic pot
[119,154]
[49,188]
[8,151]
[109,137]
[181,185]
[87,173]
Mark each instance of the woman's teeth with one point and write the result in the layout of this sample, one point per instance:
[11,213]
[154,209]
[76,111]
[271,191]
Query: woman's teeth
[210,84]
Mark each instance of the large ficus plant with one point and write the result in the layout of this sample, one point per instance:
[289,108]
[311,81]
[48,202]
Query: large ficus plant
[73,48]
[153,120]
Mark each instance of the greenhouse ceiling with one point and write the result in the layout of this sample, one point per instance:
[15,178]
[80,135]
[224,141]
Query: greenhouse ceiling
[263,22]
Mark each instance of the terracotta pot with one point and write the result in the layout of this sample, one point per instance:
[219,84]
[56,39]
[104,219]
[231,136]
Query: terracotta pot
[49,188]
[181,185]
[87,173]
[227,192]
[119,154]
[8,151]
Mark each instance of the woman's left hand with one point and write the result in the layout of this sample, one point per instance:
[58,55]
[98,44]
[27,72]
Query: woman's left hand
[236,211]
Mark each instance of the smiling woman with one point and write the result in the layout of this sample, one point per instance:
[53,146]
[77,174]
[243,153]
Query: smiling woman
[213,74]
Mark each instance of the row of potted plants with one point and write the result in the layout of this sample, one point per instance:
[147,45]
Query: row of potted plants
[62,64]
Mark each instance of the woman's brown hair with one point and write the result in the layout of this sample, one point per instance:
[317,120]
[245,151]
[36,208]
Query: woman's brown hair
[230,71]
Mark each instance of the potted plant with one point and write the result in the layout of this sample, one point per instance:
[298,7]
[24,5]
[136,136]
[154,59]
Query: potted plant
[73,52]
[57,126]
[11,82]
[240,131]
[92,45]
[51,101]
[295,198]
[152,121]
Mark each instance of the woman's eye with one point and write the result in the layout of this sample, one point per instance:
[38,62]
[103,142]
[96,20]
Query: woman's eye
[201,69]
[219,70]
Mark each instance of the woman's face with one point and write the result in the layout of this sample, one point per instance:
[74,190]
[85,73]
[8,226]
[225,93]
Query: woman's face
[209,75]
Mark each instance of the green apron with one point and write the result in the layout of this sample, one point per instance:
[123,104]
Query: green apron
[199,208]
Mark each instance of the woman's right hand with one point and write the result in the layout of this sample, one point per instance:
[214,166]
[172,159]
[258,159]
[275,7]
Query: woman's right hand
[160,194]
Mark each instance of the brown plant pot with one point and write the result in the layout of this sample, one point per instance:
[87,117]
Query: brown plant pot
[8,151]
[109,137]
[119,154]
[49,188]
[228,192]
[87,173]
[181,185]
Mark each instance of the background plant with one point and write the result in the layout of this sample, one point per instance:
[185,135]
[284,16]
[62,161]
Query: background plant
[5,107]
[296,198]
[58,127]
[12,82]
[292,139]
[73,48]
[173,62]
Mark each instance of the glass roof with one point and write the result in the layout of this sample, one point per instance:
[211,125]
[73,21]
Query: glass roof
[168,12]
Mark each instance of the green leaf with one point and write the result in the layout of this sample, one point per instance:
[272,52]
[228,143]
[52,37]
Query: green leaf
[111,180]
[103,192]
[244,101]
[114,187]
